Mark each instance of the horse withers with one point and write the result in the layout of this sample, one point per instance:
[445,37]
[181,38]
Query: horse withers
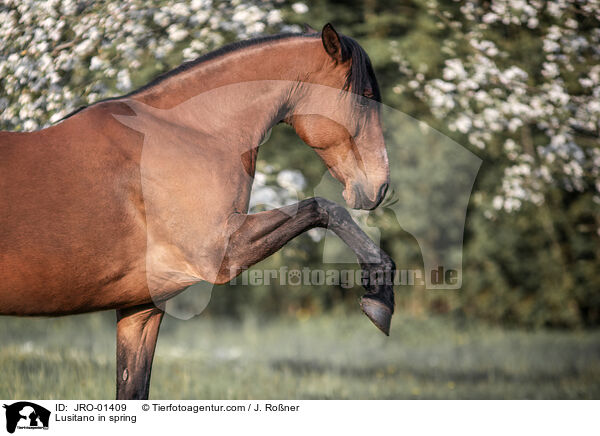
[127,202]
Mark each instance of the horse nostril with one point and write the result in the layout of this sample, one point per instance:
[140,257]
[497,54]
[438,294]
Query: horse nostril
[382,192]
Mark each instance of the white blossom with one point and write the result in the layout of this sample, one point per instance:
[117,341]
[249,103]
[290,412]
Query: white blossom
[292,180]
[123,81]
[177,33]
[300,8]
[489,98]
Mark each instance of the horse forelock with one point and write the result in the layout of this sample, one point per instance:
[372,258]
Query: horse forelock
[360,77]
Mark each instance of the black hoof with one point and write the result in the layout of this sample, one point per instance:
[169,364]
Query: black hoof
[378,313]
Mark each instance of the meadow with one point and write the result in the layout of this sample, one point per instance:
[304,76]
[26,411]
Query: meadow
[331,356]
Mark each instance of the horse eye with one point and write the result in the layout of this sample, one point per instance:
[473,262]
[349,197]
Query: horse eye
[366,98]
[363,101]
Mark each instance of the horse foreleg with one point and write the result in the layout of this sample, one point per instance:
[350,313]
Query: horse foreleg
[137,331]
[257,236]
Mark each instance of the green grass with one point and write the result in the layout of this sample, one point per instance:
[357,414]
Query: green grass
[321,357]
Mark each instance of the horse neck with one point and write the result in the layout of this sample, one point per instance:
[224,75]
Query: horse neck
[289,61]
[238,96]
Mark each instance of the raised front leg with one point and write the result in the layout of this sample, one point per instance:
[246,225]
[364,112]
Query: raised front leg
[137,330]
[257,236]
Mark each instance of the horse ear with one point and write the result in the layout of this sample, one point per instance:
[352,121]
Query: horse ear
[331,42]
[307,28]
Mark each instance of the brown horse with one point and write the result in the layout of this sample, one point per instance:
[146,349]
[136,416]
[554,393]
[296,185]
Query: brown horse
[127,202]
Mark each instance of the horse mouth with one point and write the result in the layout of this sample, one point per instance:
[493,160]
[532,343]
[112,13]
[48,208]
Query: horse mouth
[361,201]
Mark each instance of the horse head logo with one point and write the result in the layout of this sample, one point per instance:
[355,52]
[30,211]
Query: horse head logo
[26,415]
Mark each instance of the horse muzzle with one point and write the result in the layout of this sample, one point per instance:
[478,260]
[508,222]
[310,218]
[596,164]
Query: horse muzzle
[358,199]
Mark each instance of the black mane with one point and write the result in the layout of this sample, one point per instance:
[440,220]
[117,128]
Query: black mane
[360,77]
[228,48]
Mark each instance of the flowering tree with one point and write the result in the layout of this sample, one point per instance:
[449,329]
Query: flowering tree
[56,55]
[521,80]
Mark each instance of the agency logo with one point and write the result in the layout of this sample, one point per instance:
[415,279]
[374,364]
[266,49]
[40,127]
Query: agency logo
[26,415]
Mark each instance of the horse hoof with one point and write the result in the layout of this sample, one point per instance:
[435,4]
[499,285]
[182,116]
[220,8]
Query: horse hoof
[378,313]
